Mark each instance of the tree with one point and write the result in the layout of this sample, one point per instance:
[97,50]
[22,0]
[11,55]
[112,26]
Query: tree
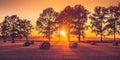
[64,20]
[14,27]
[25,28]
[98,19]
[78,23]
[73,19]
[5,28]
[45,23]
[14,21]
[113,22]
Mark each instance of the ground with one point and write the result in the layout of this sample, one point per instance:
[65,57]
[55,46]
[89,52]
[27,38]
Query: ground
[59,50]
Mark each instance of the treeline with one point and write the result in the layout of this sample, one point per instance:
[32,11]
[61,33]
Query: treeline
[13,26]
[105,21]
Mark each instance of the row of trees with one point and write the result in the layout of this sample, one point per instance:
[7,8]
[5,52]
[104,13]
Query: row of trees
[71,18]
[13,26]
[104,21]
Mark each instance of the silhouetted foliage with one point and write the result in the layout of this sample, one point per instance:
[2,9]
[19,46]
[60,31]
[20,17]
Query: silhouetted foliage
[113,22]
[5,28]
[13,27]
[98,19]
[78,23]
[104,21]
[45,23]
[25,28]
[14,20]
[64,20]
[73,19]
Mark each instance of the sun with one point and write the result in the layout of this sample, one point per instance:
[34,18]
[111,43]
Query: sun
[63,33]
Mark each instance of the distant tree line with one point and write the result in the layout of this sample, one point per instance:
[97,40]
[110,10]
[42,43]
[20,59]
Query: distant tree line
[104,21]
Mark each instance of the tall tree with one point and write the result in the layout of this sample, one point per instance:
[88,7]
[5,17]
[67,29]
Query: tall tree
[78,23]
[64,20]
[98,19]
[45,23]
[13,27]
[14,20]
[113,22]
[25,28]
[5,28]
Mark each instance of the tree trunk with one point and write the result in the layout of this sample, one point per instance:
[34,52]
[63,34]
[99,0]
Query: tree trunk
[83,37]
[20,38]
[79,38]
[59,37]
[49,34]
[59,34]
[114,31]
[49,30]
[26,38]
[68,34]
[101,30]
[69,38]
[114,37]
[13,40]
[101,37]
[4,38]
[49,37]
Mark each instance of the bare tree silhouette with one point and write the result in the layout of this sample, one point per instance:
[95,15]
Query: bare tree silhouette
[45,23]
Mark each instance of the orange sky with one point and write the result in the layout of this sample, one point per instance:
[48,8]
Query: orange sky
[30,9]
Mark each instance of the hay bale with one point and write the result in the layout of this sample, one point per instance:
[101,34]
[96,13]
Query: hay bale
[32,42]
[27,43]
[73,45]
[115,43]
[93,43]
[44,45]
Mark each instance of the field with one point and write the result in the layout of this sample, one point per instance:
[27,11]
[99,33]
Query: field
[59,50]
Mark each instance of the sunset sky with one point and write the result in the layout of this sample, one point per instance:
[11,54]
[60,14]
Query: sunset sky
[30,9]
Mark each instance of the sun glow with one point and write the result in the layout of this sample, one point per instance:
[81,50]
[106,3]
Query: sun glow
[63,33]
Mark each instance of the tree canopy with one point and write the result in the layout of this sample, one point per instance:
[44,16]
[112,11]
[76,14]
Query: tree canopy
[46,22]
[104,21]
[13,27]
[98,19]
